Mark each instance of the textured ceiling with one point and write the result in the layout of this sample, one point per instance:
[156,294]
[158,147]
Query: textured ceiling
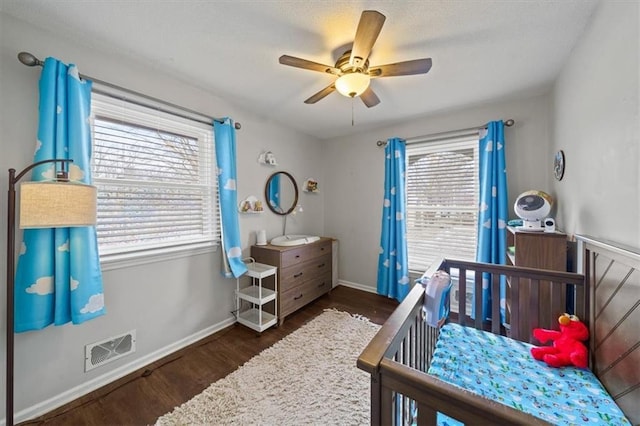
[481,50]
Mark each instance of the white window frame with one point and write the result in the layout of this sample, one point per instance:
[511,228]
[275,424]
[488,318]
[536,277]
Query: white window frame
[415,242]
[132,112]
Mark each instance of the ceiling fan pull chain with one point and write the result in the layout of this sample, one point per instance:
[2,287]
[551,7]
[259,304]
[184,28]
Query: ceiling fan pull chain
[352,109]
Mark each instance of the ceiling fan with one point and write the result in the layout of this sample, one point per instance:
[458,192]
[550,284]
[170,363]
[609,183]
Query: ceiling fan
[352,68]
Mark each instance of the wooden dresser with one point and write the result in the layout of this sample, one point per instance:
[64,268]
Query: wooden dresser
[537,249]
[304,272]
[540,250]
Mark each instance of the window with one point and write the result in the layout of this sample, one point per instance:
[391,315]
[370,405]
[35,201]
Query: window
[157,190]
[442,200]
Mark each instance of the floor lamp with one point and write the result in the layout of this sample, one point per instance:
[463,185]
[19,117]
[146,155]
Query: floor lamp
[44,204]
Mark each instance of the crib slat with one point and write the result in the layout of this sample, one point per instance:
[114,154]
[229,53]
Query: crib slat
[411,345]
[581,300]
[477,296]
[424,344]
[419,344]
[515,308]
[534,298]
[558,300]
[495,303]
[462,296]
[414,343]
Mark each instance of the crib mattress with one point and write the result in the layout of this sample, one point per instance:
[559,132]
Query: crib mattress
[503,370]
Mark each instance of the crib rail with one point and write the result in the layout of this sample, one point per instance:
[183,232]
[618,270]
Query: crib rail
[400,354]
[525,289]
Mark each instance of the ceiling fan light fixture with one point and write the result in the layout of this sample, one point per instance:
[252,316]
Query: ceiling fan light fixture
[352,67]
[352,84]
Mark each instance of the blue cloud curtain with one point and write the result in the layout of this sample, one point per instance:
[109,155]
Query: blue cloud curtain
[393,269]
[58,276]
[492,216]
[225,142]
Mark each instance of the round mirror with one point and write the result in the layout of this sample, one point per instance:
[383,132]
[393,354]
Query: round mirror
[281,193]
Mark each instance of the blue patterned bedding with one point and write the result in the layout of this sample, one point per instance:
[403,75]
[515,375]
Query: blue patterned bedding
[510,375]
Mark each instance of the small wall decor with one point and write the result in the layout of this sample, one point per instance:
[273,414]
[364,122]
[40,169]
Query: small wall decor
[558,165]
[268,158]
[250,205]
[310,185]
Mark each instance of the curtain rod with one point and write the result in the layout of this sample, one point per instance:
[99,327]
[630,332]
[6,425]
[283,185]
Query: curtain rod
[442,135]
[31,61]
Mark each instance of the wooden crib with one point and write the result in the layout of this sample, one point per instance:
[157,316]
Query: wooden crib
[606,298]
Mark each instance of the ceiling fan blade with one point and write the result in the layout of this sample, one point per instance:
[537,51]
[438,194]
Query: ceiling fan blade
[308,65]
[367,33]
[321,94]
[369,98]
[417,66]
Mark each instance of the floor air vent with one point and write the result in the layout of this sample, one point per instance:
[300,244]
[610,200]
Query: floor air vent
[100,353]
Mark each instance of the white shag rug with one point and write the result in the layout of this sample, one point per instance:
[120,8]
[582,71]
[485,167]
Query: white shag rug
[309,377]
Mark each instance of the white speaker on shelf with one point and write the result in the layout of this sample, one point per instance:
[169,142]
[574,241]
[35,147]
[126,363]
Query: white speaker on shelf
[549,225]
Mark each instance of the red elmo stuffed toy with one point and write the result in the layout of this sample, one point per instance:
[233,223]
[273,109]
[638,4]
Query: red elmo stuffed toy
[567,348]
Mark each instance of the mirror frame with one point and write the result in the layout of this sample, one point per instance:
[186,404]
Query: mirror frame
[295,188]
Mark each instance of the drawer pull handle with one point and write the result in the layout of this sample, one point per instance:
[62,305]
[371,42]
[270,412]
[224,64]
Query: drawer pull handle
[321,285]
[321,265]
[298,275]
[298,297]
[297,256]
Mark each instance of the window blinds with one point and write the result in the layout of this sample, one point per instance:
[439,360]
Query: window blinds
[442,200]
[155,178]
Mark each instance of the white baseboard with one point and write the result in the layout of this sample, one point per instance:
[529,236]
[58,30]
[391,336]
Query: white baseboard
[357,286]
[115,374]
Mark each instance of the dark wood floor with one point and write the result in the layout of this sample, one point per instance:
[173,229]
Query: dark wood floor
[143,396]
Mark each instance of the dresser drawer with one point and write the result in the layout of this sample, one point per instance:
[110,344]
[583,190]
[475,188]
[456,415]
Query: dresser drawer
[295,275]
[304,253]
[298,296]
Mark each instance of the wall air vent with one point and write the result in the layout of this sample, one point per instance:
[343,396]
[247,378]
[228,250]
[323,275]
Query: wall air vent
[100,353]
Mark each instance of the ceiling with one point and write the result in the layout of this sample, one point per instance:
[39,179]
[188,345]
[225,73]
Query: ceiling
[482,50]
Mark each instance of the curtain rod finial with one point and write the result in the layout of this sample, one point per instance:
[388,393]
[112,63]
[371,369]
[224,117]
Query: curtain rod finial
[29,60]
[237,125]
[510,122]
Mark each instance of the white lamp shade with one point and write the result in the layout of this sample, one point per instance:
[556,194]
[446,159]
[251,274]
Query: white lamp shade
[352,84]
[57,205]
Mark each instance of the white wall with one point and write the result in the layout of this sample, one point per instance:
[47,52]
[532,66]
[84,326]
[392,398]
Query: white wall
[167,301]
[354,171]
[596,123]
